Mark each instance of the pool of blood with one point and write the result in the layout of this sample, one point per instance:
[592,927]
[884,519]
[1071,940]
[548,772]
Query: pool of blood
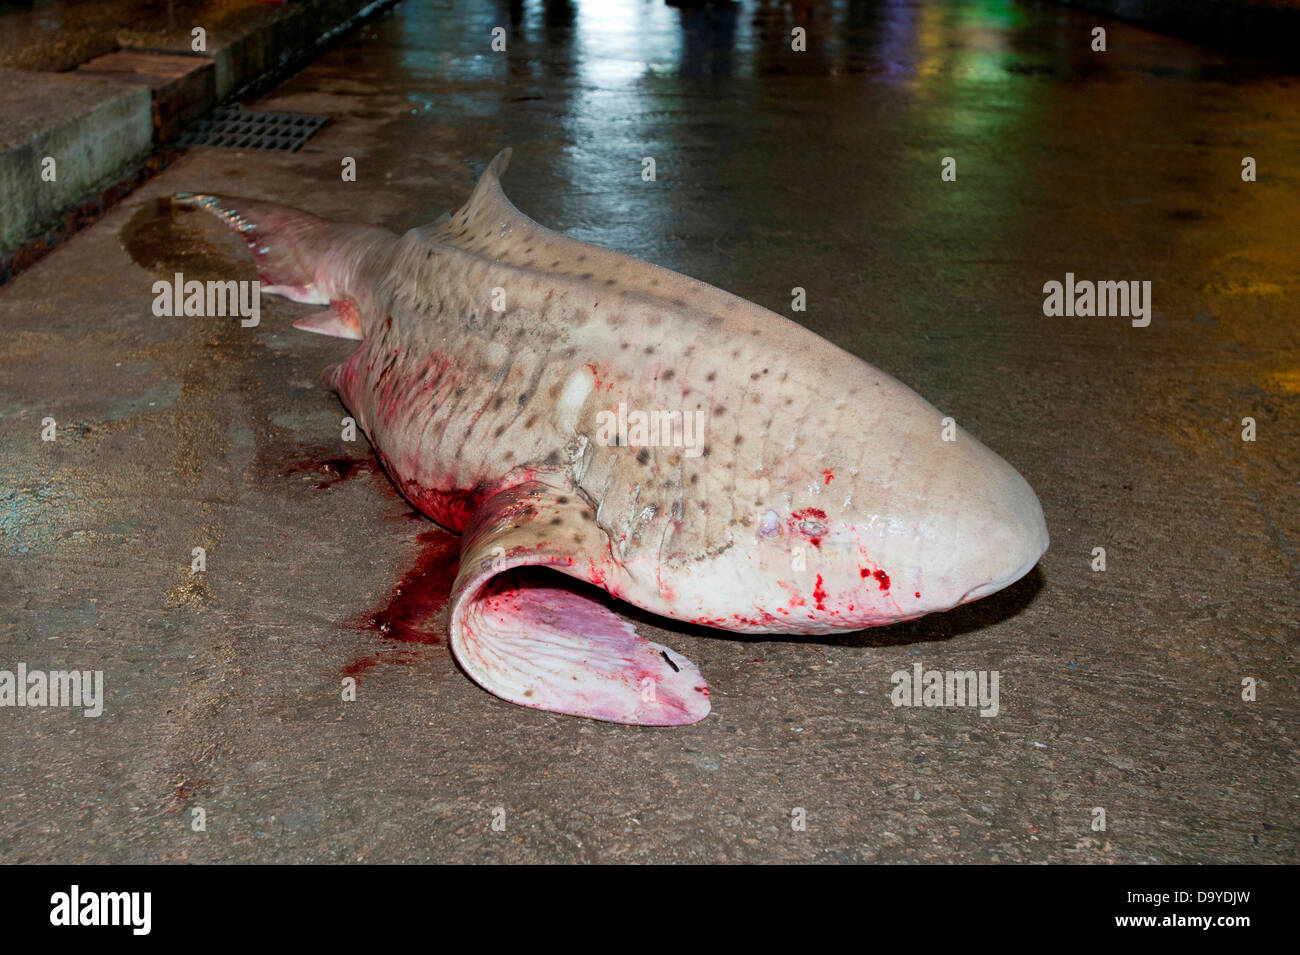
[410,616]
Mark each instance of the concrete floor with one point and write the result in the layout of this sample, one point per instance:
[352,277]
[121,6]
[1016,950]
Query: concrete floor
[1119,689]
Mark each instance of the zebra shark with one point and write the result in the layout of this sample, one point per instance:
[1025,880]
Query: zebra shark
[564,406]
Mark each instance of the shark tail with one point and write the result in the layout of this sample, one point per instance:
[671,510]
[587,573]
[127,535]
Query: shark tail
[306,258]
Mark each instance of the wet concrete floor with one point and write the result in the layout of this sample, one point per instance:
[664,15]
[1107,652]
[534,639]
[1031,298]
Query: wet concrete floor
[1119,690]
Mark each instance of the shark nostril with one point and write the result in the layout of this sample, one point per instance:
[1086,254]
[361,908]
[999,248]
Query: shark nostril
[811,522]
[812,528]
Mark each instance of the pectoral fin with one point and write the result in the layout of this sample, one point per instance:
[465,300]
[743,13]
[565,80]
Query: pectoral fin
[340,320]
[547,643]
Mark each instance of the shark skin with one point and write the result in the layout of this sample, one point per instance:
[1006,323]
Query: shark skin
[795,489]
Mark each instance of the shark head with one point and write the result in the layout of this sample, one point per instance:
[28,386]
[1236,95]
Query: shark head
[844,515]
[934,521]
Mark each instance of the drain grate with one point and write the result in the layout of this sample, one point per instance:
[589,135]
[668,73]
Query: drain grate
[228,127]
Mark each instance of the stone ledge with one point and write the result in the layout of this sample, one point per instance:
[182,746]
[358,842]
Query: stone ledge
[91,127]
[183,87]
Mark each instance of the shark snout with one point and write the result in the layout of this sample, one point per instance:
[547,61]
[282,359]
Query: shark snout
[989,533]
[1013,548]
[1004,537]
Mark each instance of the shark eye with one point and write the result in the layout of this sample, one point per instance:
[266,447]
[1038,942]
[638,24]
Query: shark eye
[770,526]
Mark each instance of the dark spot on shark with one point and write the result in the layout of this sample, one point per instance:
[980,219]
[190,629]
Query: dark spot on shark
[643,456]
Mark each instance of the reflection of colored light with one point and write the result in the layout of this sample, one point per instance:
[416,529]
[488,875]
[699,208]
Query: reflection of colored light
[969,104]
[895,30]
[967,43]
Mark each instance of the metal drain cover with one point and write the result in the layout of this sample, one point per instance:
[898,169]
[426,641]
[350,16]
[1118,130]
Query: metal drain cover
[228,127]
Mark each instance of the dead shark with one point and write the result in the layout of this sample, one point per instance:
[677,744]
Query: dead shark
[534,394]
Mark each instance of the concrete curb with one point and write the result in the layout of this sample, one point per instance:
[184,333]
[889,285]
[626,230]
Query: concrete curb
[100,120]
[86,127]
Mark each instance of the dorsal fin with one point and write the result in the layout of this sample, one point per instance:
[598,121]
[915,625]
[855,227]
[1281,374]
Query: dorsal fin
[489,226]
[487,206]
